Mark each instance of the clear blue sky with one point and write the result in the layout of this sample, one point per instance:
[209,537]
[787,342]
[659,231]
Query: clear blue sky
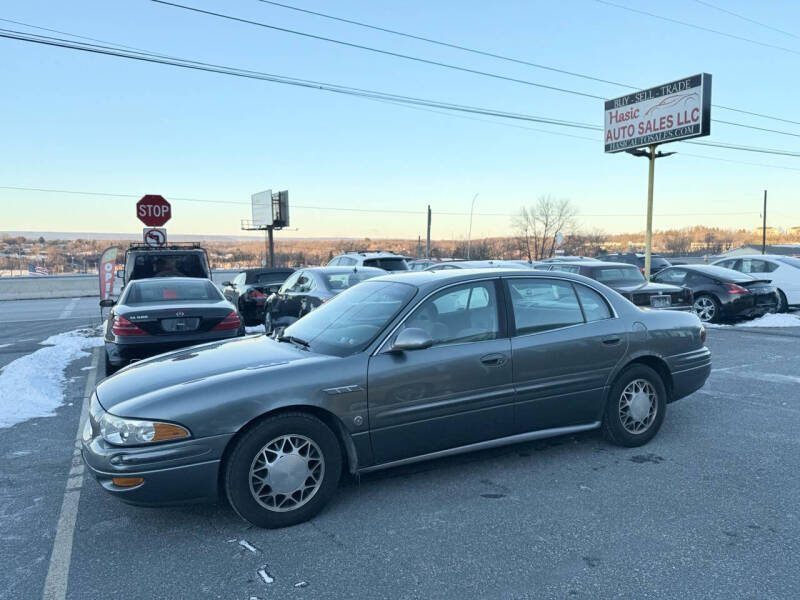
[76,121]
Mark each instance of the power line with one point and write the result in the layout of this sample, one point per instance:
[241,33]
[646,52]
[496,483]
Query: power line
[749,20]
[418,59]
[359,92]
[505,57]
[379,50]
[694,26]
[347,209]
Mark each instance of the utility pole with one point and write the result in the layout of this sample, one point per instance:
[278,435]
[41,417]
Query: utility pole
[271,247]
[419,246]
[428,239]
[469,235]
[648,236]
[764,226]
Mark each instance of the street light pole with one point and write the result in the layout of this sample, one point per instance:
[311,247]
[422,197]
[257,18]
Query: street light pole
[469,235]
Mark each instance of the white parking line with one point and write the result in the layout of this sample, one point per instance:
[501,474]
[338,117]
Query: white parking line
[68,308]
[55,585]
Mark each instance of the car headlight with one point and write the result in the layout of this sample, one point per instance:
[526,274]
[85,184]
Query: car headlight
[133,432]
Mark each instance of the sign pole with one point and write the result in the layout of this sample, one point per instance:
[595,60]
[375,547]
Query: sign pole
[764,226]
[648,236]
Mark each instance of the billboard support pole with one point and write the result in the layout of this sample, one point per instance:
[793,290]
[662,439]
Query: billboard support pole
[271,247]
[651,155]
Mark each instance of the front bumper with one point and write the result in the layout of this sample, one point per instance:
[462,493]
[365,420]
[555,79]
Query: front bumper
[173,472]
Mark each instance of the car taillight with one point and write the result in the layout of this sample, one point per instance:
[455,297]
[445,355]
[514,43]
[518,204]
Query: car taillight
[736,289]
[122,326]
[230,322]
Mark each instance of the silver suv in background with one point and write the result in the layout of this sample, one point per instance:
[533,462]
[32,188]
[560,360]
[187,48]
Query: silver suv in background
[388,261]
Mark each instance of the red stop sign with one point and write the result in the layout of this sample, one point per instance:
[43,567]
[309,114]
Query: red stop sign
[153,210]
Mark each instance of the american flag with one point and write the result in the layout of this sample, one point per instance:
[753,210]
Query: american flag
[37,270]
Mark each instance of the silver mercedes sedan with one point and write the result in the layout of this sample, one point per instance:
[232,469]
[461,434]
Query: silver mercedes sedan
[398,369]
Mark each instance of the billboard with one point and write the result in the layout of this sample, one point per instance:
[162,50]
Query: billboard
[261,206]
[280,208]
[673,111]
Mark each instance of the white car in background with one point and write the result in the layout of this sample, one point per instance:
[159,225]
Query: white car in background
[782,271]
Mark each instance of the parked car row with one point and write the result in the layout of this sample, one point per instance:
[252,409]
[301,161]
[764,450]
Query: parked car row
[398,368]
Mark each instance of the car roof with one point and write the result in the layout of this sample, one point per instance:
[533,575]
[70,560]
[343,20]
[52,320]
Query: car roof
[349,269]
[268,270]
[435,279]
[149,280]
[373,254]
[771,256]
[595,263]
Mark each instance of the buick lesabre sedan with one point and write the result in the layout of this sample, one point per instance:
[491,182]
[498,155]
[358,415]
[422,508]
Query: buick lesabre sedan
[397,369]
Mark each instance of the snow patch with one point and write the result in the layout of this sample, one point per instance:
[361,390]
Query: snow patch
[33,385]
[266,577]
[248,546]
[4,345]
[254,329]
[769,320]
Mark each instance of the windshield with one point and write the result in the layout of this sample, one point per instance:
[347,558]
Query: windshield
[790,260]
[170,290]
[336,282]
[350,322]
[387,264]
[618,275]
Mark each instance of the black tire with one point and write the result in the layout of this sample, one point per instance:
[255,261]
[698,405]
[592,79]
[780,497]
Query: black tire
[783,304]
[714,305]
[612,427]
[248,447]
[110,369]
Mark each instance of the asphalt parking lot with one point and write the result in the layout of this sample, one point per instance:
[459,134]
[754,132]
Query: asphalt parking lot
[708,509]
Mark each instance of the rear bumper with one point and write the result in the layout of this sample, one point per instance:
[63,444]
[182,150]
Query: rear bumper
[177,473]
[750,305]
[689,372]
[122,353]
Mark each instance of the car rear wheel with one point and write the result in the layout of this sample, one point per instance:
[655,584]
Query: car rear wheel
[635,407]
[110,369]
[706,308]
[283,471]
[783,305]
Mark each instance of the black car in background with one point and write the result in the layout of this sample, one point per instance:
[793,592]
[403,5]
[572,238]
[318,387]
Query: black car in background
[629,281]
[249,290]
[722,294]
[656,262]
[306,289]
[154,316]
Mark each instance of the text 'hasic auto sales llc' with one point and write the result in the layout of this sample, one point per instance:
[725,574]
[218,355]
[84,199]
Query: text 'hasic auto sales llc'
[669,112]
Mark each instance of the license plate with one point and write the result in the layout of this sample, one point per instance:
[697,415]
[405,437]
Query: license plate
[180,325]
[660,301]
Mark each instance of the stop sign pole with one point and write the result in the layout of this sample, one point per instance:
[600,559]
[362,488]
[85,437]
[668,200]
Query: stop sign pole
[153,210]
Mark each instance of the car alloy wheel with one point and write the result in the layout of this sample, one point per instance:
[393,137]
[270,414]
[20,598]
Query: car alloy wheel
[638,406]
[705,308]
[286,473]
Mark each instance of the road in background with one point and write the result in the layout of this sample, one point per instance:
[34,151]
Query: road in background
[708,509]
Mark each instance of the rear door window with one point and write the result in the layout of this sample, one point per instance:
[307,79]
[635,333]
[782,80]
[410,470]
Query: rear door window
[541,305]
[566,268]
[757,265]
[595,307]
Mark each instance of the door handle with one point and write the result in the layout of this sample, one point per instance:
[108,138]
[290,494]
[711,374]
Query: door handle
[612,340]
[493,360]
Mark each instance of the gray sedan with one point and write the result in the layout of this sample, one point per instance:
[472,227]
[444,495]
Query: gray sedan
[397,369]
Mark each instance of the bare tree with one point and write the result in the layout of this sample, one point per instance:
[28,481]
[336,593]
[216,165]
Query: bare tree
[537,225]
[678,243]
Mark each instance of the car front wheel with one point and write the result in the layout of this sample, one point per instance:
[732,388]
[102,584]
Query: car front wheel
[635,407]
[283,471]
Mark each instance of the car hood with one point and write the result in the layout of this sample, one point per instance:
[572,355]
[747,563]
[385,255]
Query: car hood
[646,286]
[199,365]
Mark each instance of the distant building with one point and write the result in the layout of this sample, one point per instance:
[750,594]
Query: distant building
[784,249]
[770,230]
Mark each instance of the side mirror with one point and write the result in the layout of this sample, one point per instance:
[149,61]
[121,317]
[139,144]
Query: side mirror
[412,338]
[121,274]
[227,283]
[107,302]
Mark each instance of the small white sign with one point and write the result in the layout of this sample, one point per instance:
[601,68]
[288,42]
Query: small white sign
[666,113]
[261,205]
[155,237]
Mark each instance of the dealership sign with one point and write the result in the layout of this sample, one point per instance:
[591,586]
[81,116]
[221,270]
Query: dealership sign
[108,261]
[666,113]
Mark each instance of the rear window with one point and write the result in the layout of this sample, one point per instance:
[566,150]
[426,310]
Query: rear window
[166,290]
[617,275]
[387,264]
[658,262]
[341,281]
[183,264]
[267,277]
[791,261]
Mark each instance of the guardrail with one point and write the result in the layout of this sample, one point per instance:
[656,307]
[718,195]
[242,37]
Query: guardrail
[70,286]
